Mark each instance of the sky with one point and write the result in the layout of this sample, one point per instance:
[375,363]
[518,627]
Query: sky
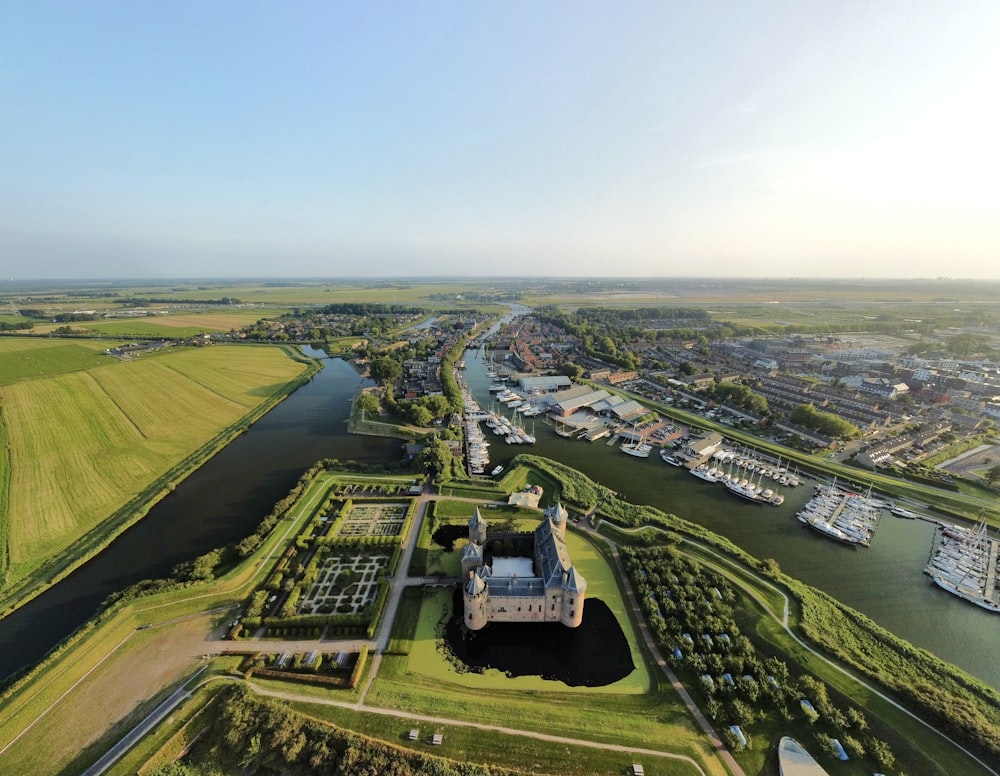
[562,138]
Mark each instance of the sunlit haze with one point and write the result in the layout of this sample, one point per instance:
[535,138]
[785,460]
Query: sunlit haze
[805,139]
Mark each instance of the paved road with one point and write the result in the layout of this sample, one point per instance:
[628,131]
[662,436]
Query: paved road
[129,740]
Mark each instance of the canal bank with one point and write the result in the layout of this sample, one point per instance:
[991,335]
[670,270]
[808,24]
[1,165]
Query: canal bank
[885,581]
[219,503]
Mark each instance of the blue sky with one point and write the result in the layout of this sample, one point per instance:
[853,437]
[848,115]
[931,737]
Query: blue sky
[517,138]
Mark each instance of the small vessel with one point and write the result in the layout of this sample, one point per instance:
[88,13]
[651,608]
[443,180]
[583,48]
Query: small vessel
[496,470]
[666,456]
[904,513]
[702,473]
[638,449]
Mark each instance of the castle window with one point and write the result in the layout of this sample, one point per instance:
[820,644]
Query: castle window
[571,600]
[572,612]
[553,607]
[519,608]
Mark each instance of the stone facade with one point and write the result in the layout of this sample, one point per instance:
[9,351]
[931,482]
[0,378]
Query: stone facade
[554,593]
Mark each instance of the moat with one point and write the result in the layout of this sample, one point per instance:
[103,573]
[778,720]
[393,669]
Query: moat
[593,655]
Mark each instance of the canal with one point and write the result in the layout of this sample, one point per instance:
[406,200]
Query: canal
[221,502]
[885,581]
[226,498]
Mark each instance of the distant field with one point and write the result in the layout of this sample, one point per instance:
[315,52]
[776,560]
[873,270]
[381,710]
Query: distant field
[184,324]
[23,358]
[81,444]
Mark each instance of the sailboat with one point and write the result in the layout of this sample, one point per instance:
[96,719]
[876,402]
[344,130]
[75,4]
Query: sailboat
[639,449]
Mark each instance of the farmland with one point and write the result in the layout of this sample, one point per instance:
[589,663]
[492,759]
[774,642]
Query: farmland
[26,358]
[81,444]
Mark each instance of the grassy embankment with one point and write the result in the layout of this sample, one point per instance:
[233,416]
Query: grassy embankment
[68,687]
[109,674]
[87,452]
[950,699]
[429,693]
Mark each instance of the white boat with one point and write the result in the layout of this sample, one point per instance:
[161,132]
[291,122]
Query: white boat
[972,594]
[497,470]
[666,456]
[638,449]
[702,473]
[904,513]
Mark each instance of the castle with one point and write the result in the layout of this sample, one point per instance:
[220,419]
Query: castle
[544,589]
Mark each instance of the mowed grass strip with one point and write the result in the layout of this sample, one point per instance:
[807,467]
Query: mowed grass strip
[246,374]
[24,358]
[82,444]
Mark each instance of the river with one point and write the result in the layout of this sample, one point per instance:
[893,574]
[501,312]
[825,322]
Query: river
[221,502]
[885,581]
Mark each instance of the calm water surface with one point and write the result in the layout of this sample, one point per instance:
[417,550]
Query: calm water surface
[221,502]
[885,581]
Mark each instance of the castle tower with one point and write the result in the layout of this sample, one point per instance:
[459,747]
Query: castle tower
[472,558]
[477,528]
[574,590]
[557,516]
[474,598]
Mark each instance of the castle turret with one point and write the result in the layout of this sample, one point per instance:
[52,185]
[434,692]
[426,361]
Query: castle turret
[472,558]
[474,596]
[557,516]
[574,588]
[477,528]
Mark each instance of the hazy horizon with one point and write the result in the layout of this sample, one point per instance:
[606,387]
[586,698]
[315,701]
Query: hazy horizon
[778,140]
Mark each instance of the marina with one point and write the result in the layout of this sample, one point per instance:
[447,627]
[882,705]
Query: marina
[963,561]
[841,515]
[906,602]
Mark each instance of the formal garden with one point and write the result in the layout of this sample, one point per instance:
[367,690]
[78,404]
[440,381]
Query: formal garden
[333,579]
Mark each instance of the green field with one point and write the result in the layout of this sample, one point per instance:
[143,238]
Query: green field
[80,444]
[25,358]
[426,659]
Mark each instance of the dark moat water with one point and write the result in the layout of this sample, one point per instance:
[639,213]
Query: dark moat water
[595,654]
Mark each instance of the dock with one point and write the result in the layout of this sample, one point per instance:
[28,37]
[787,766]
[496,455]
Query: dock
[594,434]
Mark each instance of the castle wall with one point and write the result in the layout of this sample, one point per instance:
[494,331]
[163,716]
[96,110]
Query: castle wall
[520,609]
[571,612]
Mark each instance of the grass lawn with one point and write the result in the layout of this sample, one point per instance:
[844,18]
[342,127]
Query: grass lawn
[25,358]
[470,744]
[82,444]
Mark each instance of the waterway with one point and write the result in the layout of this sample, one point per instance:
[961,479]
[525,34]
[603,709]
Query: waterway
[221,502]
[884,581]
[225,499]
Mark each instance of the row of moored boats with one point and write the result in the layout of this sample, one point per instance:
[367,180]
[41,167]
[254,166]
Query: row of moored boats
[745,476]
[963,561]
[842,515]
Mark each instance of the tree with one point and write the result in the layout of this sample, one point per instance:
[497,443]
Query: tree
[993,475]
[571,370]
[435,458]
[385,370]
[368,403]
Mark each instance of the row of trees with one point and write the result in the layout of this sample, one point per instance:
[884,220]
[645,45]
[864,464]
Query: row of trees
[826,423]
[690,610]
[738,395]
